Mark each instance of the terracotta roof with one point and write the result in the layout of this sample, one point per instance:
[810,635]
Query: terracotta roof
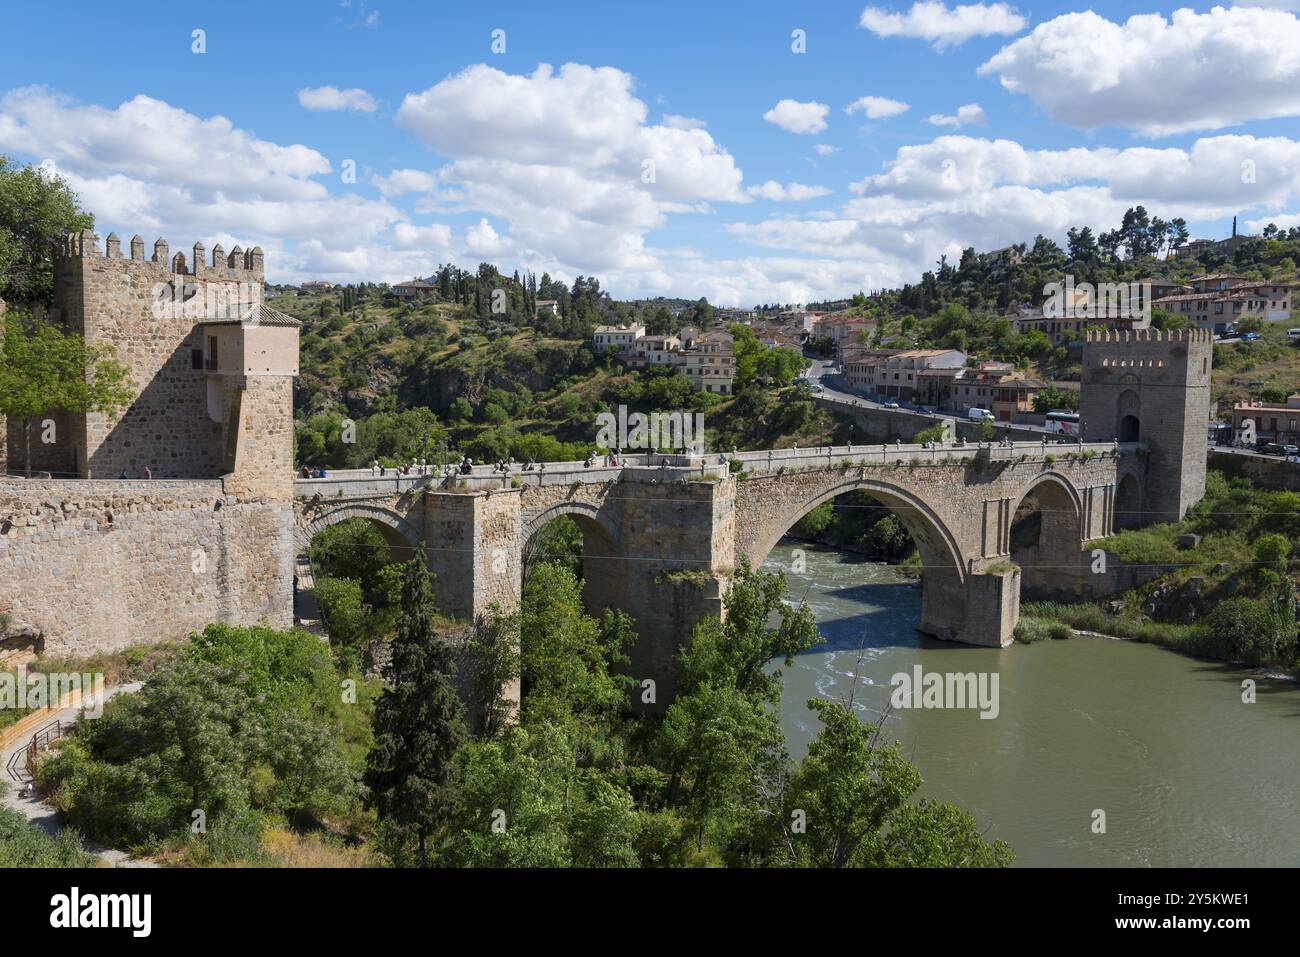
[256,315]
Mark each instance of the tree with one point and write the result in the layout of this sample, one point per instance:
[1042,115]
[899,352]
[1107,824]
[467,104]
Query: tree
[419,724]
[36,209]
[721,736]
[44,370]
[1052,399]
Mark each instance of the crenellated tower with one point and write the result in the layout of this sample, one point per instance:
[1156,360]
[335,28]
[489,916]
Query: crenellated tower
[1153,386]
[212,366]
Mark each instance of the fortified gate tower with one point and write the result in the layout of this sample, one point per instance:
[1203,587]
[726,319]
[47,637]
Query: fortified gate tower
[1152,386]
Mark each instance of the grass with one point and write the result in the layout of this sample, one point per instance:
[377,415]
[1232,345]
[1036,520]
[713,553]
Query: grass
[1088,617]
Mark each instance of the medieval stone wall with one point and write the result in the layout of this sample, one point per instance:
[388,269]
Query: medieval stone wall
[95,565]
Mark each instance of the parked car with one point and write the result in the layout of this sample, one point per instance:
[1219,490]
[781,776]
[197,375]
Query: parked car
[1272,448]
[1249,336]
[889,404]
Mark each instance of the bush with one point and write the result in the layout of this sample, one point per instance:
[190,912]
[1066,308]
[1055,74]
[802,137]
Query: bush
[23,845]
[1241,629]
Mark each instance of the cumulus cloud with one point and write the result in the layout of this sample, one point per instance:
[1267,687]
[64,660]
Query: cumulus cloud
[147,166]
[796,117]
[321,98]
[958,191]
[790,191]
[402,181]
[683,122]
[1194,71]
[972,114]
[941,25]
[876,107]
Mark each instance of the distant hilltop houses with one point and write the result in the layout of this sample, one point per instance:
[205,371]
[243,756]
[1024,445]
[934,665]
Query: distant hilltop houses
[1215,301]
[707,359]
[942,379]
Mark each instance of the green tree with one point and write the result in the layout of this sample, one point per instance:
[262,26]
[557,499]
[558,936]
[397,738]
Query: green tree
[37,208]
[419,725]
[721,737]
[45,370]
[853,793]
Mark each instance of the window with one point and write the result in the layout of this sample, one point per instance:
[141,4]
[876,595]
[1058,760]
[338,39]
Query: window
[212,353]
[196,358]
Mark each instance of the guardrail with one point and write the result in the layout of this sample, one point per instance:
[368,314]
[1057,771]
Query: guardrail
[40,741]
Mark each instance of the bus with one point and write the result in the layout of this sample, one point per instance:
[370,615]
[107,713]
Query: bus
[1064,423]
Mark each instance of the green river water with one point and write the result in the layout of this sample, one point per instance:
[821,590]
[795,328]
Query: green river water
[1187,774]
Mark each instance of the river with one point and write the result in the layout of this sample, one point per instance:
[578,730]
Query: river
[1186,773]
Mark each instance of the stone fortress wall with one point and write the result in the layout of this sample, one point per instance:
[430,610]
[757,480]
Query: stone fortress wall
[91,562]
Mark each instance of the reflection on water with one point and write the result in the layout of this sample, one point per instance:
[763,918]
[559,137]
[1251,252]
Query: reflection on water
[1186,773]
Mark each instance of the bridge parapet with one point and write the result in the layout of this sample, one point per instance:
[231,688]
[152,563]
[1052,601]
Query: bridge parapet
[363,483]
[909,454]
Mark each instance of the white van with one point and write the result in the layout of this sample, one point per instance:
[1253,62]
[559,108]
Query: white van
[1293,334]
[979,415]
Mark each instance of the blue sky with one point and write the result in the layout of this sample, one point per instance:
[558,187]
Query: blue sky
[764,187]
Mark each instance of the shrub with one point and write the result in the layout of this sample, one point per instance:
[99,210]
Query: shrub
[1241,629]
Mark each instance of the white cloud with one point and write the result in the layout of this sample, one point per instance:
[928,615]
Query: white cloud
[826,149]
[972,114]
[332,98]
[146,166]
[483,240]
[683,122]
[1195,71]
[796,117]
[402,181]
[876,107]
[434,236]
[958,191]
[790,191]
[944,26]
[567,161]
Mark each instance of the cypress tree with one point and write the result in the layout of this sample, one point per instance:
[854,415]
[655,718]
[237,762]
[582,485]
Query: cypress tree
[419,723]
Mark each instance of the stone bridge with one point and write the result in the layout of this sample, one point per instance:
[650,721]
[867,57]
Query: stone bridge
[663,536]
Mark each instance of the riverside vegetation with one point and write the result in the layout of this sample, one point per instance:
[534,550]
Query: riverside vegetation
[1231,598]
[292,757]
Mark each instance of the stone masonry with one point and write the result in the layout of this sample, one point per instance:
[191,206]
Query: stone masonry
[94,562]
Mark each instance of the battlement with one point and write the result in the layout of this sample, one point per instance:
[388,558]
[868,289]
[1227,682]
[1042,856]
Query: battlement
[237,264]
[1120,336]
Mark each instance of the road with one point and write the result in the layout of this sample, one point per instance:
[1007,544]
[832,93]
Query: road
[822,372]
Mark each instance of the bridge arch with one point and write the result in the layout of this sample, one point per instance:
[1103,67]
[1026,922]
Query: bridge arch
[585,513]
[945,567]
[937,544]
[1046,533]
[402,536]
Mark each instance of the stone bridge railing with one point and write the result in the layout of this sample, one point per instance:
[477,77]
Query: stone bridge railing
[367,483]
[353,483]
[867,455]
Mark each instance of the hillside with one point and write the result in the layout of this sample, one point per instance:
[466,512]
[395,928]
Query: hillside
[416,375]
